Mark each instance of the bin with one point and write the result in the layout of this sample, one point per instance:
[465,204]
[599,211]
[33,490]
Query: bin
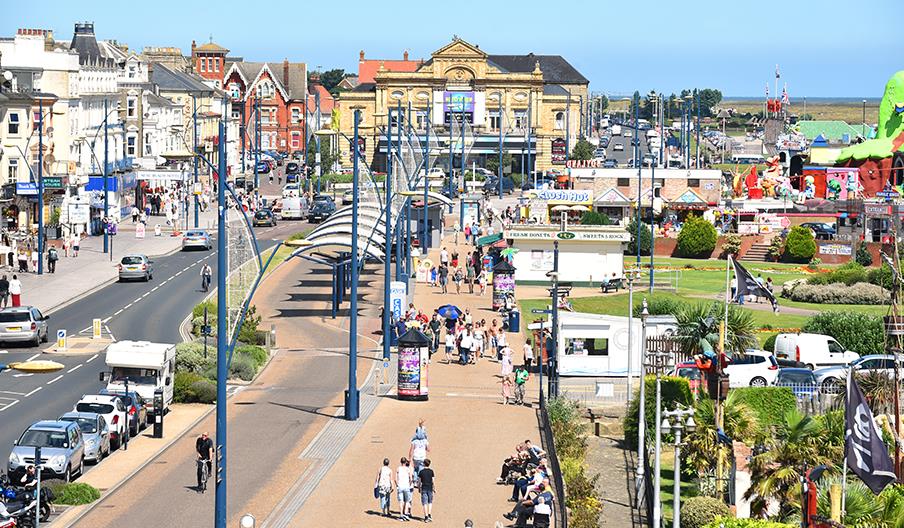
[514,322]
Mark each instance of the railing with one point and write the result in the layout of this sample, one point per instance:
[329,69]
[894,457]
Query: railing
[815,399]
[560,512]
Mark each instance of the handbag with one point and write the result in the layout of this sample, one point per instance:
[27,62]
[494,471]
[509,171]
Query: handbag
[377,491]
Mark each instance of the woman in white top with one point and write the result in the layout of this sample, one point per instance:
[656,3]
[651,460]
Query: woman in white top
[405,484]
[478,343]
[506,361]
[383,487]
[15,291]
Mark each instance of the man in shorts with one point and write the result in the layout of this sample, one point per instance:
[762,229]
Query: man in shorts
[428,489]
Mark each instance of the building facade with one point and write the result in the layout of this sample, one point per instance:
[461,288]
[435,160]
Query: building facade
[497,95]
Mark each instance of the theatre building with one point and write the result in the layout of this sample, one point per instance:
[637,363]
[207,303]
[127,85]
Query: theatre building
[536,104]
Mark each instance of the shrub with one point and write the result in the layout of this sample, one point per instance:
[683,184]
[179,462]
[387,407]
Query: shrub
[814,263]
[838,293]
[203,391]
[190,357]
[675,391]
[198,310]
[858,332]
[697,238]
[248,332]
[697,512]
[851,273]
[769,344]
[880,276]
[74,493]
[776,248]
[568,427]
[800,246]
[594,218]
[660,306]
[256,354]
[732,245]
[646,238]
[863,256]
[242,367]
[728,521]
[769,404]
[182,386]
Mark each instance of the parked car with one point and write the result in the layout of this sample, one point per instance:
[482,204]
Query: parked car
[814,350]
[756,368]
[263,167]
[801,381]
[610,164]
[292,168]
[322,207]
[136,407]
[491,185]
[196,238]
[62,450]
[348,197]
[820,230]
[264,217]
[135,267]
[693,375]
[832,379]
[618,147]
[114,411]
[604,142]
[95,433]
[291,190]
[23,324]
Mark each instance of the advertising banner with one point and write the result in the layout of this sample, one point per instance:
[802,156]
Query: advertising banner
[398,296]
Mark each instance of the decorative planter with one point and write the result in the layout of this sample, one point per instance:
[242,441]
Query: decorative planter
[894,325]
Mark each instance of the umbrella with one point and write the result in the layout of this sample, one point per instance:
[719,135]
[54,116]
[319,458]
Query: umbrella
[449,311]
[560,208]
[578,208]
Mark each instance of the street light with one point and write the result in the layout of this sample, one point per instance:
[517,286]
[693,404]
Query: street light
[641,414]
[631,275]
[107,115]
[863,128]
[675,421]
[247,521]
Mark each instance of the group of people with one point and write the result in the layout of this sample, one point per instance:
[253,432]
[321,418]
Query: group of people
[450,268]
[527,471]
[414,472]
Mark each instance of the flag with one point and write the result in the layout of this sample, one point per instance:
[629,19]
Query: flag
[748,285]
[785,99]
[864,450]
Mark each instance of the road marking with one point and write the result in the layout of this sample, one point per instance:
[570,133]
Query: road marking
[11,392]
[145,295]
[22,375]
[138,299]
[56,379]
[73,369]
[117,312]
[34,356]
[107,320]
[126,307]
[92,358]
[155,288]
[8,405]
[34,391]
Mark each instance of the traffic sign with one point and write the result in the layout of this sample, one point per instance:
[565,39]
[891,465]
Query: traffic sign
[61,339]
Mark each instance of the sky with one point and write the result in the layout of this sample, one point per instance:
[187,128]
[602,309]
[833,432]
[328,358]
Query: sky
[828,48]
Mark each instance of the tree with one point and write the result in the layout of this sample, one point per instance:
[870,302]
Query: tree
[698,328]
[646,238]
[594,218]
[604,102]
[703,446]
[492,163]
[330,79]
[583,150]
[800,246]
[697,238]
[327,158]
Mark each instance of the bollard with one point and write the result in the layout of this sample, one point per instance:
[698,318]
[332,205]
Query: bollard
[273,335]
[835,498]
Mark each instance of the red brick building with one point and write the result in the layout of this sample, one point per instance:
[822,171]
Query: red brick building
[209,61]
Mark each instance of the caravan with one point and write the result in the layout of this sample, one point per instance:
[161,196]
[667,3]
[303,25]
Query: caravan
[147,366]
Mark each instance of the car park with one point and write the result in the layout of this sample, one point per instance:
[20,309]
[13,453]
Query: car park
[114,411]
[756,368]
[95,434]
[136,407]
[196,239]
[321,208]
[135,267]
[832,379]
[23,324]
[62,450]
[264,217]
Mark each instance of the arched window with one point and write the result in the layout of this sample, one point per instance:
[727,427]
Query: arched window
[265,90]
[560,120]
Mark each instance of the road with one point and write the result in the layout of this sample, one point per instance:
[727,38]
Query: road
[623,156]
[134,310]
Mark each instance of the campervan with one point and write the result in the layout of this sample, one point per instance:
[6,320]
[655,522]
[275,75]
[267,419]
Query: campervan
[147,367]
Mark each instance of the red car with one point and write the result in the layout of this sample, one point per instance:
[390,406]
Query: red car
[694,377]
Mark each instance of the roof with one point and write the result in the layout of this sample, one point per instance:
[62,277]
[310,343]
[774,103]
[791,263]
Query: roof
[368,68]
[154,99]
[326,98]
[297,81]
[176,81]
[554,89]
[833,131]
[211,47]
[555,68]
[365,87]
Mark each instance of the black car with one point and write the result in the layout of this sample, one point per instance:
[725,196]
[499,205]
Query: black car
[264,217]
[491,185]
[321,208]
[821,230]
[292,168]
[136,406]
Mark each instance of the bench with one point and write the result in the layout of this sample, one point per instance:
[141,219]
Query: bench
[615,284]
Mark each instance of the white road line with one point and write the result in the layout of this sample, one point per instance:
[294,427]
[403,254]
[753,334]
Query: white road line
[73,369]
[56,379]
[126,307]
[7,406]
[85,330]
[11,392]
[34,356]
[107,320]
[145,295]
[138,299]
[22,375]
[155,288]
[34,391]
[92,358]
[117,312]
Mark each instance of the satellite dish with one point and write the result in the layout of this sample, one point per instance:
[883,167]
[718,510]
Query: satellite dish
[7,75]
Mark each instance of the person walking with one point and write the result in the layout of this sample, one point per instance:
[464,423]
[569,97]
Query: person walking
[34,260]
[482,282]
[427,479]
[507,389]
[450,345]
[444,278]
[66,245]
[528,354]
[457,278]
[15,290]
[521,377]
[444,257]
[419,448]
[506,361]
[52,258]
[4,292]
[383,487]
[404,483]
[134,214]
[465,343]
[75,244]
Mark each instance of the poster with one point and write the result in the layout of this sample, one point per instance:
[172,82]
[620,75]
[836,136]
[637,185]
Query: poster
[503,286]
[541,259]
[412,378]
[398,295]
[558,151]
[139,230]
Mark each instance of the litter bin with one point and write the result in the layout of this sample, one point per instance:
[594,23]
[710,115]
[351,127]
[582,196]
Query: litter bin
[514,321]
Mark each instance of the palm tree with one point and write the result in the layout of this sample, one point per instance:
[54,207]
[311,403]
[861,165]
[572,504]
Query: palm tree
[703,447]
[698,328]
[862,510]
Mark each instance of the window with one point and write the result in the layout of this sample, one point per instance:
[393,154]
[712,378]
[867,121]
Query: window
[131,142]
[202,64]
[296,140]
[13,170]
[560,120]
[131,106]
[520,120]
[147,144]
[209,64]
[234,90]
[623,182]
[216,65]
[693,182]
[420,118]
[133,71]
[236,113]
[296,115]
[265,90]
[265,116]
[494,120]
[13,127]
[587,347]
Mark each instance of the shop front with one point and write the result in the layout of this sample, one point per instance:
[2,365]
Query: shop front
[615,205]
[549,205]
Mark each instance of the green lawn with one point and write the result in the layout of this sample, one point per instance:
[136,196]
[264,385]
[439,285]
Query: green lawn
[667,484]
[282,253]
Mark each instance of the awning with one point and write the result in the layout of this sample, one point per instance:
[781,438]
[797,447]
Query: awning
[559,208]
[578,208]
[489,239]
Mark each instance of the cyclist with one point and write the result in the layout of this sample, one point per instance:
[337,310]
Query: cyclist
[206,272]
[204,447]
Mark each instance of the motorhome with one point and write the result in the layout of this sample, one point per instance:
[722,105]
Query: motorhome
[147,366]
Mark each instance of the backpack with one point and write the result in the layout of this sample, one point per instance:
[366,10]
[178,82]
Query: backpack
[52,254]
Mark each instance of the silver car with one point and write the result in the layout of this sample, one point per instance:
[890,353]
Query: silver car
[136,267]
[62,450]
[95,433]
[832,379]
[196,239]
[23,324]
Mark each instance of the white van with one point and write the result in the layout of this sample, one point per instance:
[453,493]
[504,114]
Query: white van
[615,130]
[291,209]
[815,350]
[148,366]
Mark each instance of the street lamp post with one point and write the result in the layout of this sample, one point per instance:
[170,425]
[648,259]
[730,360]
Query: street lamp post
[194,144]
[351,407]
[678,426]
[641,414]
[222,345]
[863,128]
[554,360]
[499,171]
[40,187]
[631,275]
[426,208]
[106,190]
[387,239]
[637,241]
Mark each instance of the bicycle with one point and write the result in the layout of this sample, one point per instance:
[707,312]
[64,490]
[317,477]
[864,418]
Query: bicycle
[203,474]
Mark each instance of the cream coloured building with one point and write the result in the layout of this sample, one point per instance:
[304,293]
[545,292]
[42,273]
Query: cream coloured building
[461,81]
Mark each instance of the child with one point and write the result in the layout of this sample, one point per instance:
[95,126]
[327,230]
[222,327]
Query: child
[433,276]
[506,389]
[450,346]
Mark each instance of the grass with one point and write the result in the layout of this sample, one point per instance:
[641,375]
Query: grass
[667,485]
[283,252]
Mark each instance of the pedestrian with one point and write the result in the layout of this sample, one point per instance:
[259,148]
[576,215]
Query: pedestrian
[528,354]
[427,485]
[477,351]
[435,326]
[433,276]
[467,316]
[383,487]
[467,233]
[443,257]
[465,343]
[134,214]
[506,361]
[454,259]
[4,292]
[52,257]
[482,282]
[404,484]
[143,218]
[450,345]
[66,245]
[507,389]
[23,261]
[75,244]
[420,446]
[457,278]
[734,288]
[444,278]
[15,291]
[470,277]
[521,377]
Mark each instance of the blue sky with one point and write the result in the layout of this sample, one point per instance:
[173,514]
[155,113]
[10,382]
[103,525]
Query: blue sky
[828,48]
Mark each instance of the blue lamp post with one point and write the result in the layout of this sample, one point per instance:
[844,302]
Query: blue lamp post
[464,184]
[40,186]
[387,240]
[637,240]
[351,408]
[222,339]
[194,145]
[426,209]
[499,171]
[106,189]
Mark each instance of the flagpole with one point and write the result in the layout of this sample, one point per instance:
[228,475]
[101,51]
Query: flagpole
[847,396]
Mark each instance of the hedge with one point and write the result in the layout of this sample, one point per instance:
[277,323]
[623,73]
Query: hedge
[769,404]
[189,387]
[733,522]
[862,293]
[674,391]
[697,512]
[800,246]
[859,332]
[74,493]
[769,344]
[697,238]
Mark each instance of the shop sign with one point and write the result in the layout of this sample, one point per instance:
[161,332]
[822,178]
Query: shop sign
[458,102]
[835,249]
[564,195]
[877,209]
[559,151]
[398,295]
[26,189]
[599,236]
[564,235]
[53,182]
[79,213]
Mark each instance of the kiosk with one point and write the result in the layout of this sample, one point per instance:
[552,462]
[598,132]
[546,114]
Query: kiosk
[503,283]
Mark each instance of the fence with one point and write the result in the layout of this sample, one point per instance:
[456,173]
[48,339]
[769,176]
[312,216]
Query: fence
[560,512]
[813,399]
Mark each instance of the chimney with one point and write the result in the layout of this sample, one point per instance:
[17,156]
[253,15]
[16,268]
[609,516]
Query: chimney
[285,72]
[361,55]
[405,56]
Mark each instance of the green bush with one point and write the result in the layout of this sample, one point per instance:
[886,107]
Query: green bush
[769,344]
[242,367]
[849,274]
[880,276]
[697,238]
[646,238]
[256,354]
[675,391]
[838,293]
[594,218]
[697,512]
[568,427]
[769,404]
[776,248]
[863,256]
[800,246]
[182,386]
[858,332]
[248,333]
[733,522]
[731,245]
[660,306]
[190,357]
[74,493]
[198,310]
[203,391]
